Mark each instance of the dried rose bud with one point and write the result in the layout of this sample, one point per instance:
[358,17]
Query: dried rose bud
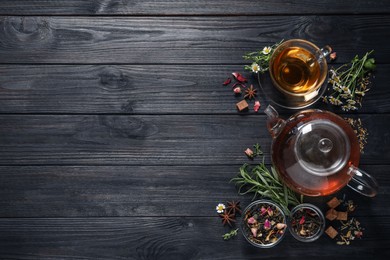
[263,211]
[251,220]
[280,225]
[239,77]
[227,81]
[237,90]
[358,234]
[333,56]
[249,153]
[302,220]
[254,231]
[256,106]
[267,224]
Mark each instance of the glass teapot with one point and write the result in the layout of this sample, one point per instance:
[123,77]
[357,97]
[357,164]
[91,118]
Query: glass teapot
[316,153]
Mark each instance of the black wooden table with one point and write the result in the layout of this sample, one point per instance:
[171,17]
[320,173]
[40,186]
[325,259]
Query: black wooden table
[117,138]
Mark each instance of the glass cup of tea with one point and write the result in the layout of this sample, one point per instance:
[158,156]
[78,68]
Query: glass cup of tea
[298,69]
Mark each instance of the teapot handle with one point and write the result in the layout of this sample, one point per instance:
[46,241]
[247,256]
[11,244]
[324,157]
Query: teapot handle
[274,123]
[362,182]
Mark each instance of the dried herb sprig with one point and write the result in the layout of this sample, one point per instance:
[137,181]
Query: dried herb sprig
[350,82]
[264,183]
[230,234]
[260,59]
[360,131]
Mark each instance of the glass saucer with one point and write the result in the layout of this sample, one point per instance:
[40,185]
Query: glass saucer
[278,98]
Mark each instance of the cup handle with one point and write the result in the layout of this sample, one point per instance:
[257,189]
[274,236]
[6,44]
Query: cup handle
[323,52]
[362,182]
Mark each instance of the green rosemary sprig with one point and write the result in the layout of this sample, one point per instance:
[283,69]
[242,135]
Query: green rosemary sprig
[230,234]
[264,183]
[350,82]
[260,59]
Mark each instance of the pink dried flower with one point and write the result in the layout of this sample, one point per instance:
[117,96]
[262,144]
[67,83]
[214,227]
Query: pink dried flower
[280,225]
[254,231]
[256,106]
[249,153]
[267,224]
[358,234]
[333,56]
[263,211]
[251,220]
[227,81]
[237,90]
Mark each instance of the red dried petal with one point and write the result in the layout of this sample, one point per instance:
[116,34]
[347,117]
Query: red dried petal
[302,220]
[227,81]
[239,77]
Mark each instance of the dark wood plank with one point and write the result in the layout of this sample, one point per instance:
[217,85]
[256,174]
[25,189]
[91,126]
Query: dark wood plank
[197,7]
[135,90]
[108,191]
[168,238]
[181,40]
[150,140]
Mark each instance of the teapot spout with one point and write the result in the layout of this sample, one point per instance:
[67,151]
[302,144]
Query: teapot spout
[274,123]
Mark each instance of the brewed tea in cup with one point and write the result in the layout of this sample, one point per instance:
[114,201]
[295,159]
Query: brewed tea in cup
[298,68]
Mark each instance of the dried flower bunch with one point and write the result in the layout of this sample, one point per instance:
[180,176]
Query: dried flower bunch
[360,131]
[350,82]
[264,223]
[260,59]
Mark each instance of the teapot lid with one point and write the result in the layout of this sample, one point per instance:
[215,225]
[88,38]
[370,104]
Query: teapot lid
[322,147]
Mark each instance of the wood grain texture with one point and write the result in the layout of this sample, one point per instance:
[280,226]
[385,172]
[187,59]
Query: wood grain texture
[187,7]
[168,238]
[143,89]
[181,40]
[110,191]
[150,140]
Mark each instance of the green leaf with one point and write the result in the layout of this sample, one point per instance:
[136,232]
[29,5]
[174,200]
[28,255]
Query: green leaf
[370,64]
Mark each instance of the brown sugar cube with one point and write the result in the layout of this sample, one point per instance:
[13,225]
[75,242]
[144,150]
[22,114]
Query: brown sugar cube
[333,203]
[342,215]
[331,214]
[331,232]
[242,105]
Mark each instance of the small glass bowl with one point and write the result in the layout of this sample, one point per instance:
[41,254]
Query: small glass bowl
[311,212]
[255,209]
